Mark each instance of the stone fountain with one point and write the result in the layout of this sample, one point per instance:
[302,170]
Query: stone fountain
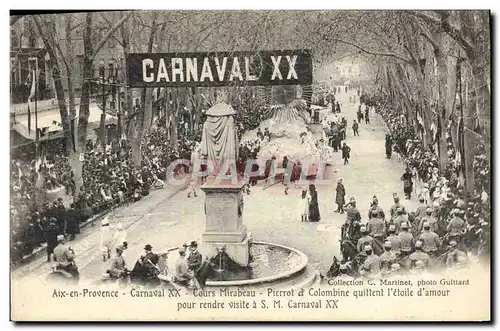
[239,261]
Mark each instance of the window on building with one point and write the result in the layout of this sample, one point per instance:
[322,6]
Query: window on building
[101,68]
[14,39]
[111,68]
[32,64]
[13,72]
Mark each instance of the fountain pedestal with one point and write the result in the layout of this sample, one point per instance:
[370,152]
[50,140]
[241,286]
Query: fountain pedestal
[224,226]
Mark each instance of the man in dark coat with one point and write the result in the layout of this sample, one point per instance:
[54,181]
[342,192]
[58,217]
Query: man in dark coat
[388,146]
[346,153]
[340,197]
[153,257]
[194,259]
[355,128]
[359,114]
[72,222]
[407,183]
[60,214]
[50,230]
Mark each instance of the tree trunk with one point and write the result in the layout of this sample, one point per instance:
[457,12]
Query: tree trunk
[175,111]
[445,84]
[135,141]
[85,96]
[56,76]
[128,91]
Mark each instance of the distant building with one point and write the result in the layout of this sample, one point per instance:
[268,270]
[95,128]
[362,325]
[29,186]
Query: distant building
[28,53]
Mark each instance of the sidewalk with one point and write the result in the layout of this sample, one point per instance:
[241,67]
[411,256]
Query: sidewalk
[85,243]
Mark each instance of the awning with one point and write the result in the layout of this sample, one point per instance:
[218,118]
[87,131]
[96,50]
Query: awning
[50,121]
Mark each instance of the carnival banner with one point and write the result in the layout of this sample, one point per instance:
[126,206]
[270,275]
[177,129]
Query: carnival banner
[283,67]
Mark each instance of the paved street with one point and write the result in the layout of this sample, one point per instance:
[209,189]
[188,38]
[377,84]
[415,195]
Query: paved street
[166,220]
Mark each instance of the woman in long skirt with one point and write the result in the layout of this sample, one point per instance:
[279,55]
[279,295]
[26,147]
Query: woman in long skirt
[314,215]
[304,205]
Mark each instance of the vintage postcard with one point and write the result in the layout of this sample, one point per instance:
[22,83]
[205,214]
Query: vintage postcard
[250,166]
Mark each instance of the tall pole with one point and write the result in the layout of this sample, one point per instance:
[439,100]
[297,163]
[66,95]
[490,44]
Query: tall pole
[118,114]
[103,118]
[35,78]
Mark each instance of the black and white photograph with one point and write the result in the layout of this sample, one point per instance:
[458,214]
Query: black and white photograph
[250,165]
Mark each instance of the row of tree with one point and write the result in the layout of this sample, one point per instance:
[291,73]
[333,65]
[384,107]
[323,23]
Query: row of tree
[432,64]
[435,67]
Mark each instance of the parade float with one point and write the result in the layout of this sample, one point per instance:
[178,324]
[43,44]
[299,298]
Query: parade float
[292,135]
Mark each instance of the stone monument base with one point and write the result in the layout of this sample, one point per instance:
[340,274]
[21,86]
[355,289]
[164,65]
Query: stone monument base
[238,252]
[224,225]
[225,236]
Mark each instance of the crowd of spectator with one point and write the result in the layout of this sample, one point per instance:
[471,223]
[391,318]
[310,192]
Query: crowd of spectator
[443,189]
[110,178]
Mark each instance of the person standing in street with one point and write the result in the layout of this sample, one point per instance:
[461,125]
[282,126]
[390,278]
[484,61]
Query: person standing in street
[346,153]
[50,228]
[340,196]
[304,205]
[106,239]
[314,215]
[355,128]
[407,183]
[388,146]
[72,222]
[359,114]
[367,115]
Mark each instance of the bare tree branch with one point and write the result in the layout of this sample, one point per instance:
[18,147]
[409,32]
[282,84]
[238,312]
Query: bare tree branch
[447,27]
[110,32]
[14,19]
[397,56]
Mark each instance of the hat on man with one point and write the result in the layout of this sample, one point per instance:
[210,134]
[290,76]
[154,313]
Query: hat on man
[418,244]
[404,225]
[362,228]
[148,247]
[182,249]
[60,238]
[427,225]
[388,244]
[343,267]
[392,227]
[368,248]
[453,243]
[193,244]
